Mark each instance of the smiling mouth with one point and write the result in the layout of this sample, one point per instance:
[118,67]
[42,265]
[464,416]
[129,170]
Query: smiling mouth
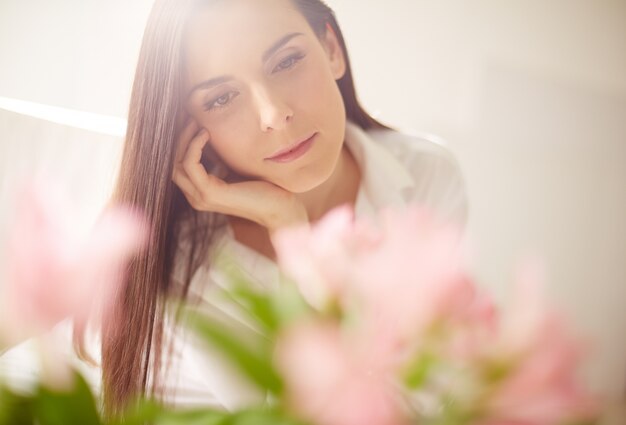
[292,148]
[294,152]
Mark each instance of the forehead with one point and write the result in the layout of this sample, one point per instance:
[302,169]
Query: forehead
[225,35]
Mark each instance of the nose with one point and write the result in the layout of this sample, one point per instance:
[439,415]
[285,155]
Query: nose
[274,114]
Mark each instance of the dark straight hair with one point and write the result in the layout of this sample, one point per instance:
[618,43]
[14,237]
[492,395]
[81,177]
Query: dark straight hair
[132,344]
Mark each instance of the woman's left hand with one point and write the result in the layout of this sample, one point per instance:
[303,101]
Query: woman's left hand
[257,200]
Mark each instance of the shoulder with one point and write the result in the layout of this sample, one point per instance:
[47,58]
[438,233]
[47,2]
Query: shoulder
[428,152]
[438,180]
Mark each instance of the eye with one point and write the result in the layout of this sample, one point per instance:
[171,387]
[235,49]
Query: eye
[288,62]
[221,101]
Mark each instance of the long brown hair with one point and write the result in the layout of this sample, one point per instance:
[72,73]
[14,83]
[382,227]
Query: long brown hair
[131,353]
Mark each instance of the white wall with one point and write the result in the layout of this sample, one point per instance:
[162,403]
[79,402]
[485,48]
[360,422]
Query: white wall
[530,94]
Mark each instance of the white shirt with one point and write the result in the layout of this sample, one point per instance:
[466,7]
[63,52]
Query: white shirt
[396,169]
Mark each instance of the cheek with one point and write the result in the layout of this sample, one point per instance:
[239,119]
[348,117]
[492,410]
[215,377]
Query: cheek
[315,91]
[233,155]
[318,96]
[234,144]
[232,132]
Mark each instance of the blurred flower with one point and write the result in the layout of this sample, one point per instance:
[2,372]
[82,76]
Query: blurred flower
[475,326]
[333,381]
[53,270]
[393,281]
[540,385]
[404,306]
[404,273]
[317,257]
[412,278]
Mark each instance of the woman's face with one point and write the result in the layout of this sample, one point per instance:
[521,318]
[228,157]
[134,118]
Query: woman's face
[259,80]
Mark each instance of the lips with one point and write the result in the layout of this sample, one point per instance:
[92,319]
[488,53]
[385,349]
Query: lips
[289,148]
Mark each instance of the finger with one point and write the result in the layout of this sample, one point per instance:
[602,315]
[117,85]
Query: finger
[203,189]
[184,138]
[204,182]
[193,152]
[185,185]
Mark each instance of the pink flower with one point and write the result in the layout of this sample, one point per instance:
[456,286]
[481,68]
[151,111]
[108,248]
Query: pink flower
[471,328]
[332,381]
[316,257]
[404,273]
[413,278]
[541,386]
[53,271]
[404,292]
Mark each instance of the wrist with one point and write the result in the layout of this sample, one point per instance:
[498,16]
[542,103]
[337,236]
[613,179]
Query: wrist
[298,216]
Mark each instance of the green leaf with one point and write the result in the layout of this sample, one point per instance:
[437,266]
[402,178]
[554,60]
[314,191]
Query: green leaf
[273,309]
[260,306]
[15,409]
[289,304]
[453,413]
[193,417]
[263,416]
[153,413]
[140,412]
[495,371]
[417,371]
[74,406]
[255,364]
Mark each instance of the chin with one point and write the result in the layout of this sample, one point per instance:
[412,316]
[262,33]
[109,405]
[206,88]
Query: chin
[306,183]
[302,186]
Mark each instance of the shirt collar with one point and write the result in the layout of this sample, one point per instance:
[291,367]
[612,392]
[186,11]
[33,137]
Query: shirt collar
[384,177]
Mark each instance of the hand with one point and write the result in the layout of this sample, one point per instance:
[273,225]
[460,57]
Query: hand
[260,201]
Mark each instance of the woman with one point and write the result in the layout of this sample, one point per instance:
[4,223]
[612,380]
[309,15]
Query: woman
[243,119]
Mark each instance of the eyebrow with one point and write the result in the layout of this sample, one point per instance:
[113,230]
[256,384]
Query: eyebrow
[266,55]
[278,44]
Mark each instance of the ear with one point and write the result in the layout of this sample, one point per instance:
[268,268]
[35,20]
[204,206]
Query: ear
[334,52]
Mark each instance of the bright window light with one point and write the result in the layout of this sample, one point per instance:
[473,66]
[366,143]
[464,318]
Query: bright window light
[103,124]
